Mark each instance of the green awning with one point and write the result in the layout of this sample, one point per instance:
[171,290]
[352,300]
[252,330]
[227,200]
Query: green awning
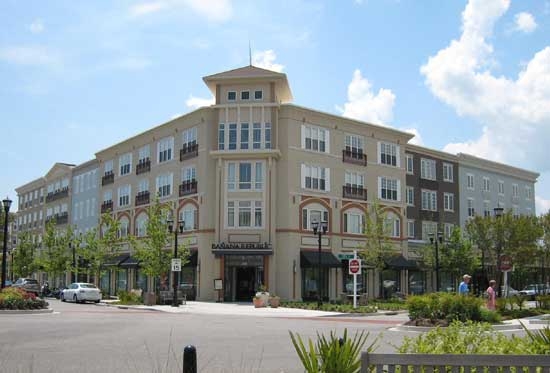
[311,259]
[400,262]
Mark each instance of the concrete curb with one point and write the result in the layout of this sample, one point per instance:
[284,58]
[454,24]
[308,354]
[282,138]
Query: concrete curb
[423,329]
[128,307]
[26,312]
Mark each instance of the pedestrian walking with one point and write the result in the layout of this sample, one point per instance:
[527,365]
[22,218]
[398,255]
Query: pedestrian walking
[491,295]
[463,288]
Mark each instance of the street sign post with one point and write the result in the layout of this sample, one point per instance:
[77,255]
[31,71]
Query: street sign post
[505,263]
[176,265]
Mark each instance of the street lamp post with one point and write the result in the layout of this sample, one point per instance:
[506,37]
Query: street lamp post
[319,229]
[7,203]
[498,214]
[178,229]
[437,242]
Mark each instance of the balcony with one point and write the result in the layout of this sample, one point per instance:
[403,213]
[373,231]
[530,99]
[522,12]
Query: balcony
[354,157]
[188,187]
[354,192]
[60,218]
[106,206]
[143,166]
[60,193]
[189,151]
[108,178]
[142,198]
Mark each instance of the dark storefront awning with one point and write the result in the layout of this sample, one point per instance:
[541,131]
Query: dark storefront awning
[311,259]
[115,260]
[130,262]
[400,262]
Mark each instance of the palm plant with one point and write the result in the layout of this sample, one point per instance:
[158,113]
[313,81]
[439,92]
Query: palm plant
[332,355]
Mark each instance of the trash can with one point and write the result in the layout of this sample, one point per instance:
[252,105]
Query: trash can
[150,299]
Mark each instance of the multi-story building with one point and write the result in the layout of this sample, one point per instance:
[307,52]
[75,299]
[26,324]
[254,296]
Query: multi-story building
[58,194]
[85,197]
[485,185]
[30,212]
[432,199]
[250,175]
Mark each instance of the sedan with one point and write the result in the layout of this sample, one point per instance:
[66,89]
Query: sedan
[81,292]
[532,290]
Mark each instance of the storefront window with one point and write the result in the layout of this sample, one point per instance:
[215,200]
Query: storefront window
[348,280]
[417,282]
[390,283]
[105,283]
[310,284]
[141,280]
[121,280]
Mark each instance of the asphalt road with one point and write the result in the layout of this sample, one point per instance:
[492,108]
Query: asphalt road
[92,338]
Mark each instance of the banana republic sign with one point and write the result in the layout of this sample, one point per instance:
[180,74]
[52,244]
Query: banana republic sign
[242,248]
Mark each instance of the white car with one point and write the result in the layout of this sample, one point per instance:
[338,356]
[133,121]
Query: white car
[81,292]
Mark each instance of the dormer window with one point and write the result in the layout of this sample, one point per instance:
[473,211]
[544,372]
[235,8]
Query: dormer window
[231,96]
[245,95]
[258,95]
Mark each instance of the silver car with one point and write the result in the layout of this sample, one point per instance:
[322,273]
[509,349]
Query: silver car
[80,292]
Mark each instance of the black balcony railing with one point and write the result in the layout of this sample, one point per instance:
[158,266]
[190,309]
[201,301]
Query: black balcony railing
[350,156]
[108,178]
[188,151]
[188,187]
[354,192]
[106,206]
[57,194]
[59,218]
[143,166]
[142,198]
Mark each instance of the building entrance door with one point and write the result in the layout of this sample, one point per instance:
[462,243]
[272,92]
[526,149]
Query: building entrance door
[246,277]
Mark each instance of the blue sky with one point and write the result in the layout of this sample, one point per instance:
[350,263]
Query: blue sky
[470,76]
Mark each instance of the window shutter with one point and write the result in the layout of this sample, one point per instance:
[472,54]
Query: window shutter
[378,148]
[379,182]
[195,219]
[303,175]
[398,155]
[345,223]
[398,190]
[327,179]
[327,141]
[303,138]
[304,219]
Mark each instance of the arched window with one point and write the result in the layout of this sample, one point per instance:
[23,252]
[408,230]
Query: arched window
[393,225]
[188,214]
[141,225]
[124,227]
[354,221]
[313,212]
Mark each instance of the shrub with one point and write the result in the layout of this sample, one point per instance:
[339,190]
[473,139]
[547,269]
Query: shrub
[128,297]
[465,338]
[543,301]
[444,306]
[333,354]
[19,299]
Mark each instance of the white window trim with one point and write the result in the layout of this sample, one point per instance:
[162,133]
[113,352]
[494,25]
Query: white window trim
[327,138]
[450,166]
[468,176]
[327,177]
[252,214]
[353,212]
[407,157]
[228,92]
[430,167]
[398,186]
[448,196]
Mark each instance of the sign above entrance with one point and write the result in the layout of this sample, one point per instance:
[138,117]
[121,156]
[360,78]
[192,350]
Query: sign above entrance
[345,256]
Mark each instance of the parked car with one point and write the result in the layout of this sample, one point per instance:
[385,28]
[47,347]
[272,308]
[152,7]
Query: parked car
[510,292]
[80,292]
[532,290]
[30,285]
[8,283]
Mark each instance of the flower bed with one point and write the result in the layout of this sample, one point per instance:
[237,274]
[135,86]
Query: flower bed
[18,299]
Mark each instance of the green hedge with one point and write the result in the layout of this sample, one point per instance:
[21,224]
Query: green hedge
[448,306]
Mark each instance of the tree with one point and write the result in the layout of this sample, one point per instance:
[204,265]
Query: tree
[457,256]
[25,257]
[154,250]
[54,257]
[545,243]
[378,248]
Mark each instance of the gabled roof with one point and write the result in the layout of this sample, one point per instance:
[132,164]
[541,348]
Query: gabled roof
[251,73]
[59,169]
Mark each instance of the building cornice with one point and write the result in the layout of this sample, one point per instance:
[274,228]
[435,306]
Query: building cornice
[41,181]
[256,153]
[431,152]
[486,165]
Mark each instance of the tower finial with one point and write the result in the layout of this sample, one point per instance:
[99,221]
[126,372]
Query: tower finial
[249,53]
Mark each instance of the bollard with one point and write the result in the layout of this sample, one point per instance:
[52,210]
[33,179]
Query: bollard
[190,359]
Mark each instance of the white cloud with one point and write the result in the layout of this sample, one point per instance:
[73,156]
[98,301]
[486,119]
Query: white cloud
[525,22]
[29,56]
[266,60]
[417,139]
[515,114]
[197,102]
[213,10]
[36,27]
[364,105]
[542,205]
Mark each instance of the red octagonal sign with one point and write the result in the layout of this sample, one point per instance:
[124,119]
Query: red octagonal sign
[505,263]
[354,266]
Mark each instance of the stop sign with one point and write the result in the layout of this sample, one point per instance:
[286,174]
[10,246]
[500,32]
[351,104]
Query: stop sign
[505,263]
[355,266]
